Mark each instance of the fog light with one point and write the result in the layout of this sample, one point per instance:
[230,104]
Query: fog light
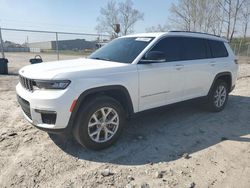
[48,117]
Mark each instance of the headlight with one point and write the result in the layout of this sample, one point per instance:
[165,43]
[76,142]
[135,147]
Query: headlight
[51,84]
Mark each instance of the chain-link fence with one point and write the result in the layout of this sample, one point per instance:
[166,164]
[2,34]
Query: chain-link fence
[241,48]
[19,45]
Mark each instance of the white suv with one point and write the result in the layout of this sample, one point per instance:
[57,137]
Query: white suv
[92,97]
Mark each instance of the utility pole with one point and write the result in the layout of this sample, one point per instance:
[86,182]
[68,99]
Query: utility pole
[1,41]
[57,48]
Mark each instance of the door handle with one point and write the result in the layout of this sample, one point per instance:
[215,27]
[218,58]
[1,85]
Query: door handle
[179,66]
[212,63]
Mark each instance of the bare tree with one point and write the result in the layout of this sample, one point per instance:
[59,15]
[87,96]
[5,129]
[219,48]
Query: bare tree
[182,14]
[232,8]
[245,17]
[108,18]
[196,15]
[211,16]
[158,28]
[128,16]
[208,17]
[123,14]
[237,7]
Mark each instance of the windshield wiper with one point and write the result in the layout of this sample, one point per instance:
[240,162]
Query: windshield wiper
[101,58]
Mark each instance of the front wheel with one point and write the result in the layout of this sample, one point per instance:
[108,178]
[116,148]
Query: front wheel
[99,123]
[218,96]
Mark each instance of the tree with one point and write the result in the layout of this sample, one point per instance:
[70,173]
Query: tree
[195,15]
[123,14]
[245,17]
[158,28]
[128,17]
[108,18]
[232,9]
[211,16]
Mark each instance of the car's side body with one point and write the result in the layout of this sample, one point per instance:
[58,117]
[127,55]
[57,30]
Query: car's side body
[137,86]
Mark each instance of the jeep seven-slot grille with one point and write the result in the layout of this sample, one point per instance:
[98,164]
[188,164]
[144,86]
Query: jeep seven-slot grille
[25,105]
[26,83]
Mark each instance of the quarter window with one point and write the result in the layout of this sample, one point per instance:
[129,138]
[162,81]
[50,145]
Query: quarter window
[218,49]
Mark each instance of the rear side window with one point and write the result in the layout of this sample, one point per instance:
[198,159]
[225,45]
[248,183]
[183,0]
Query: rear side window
[217,48]
[193,48]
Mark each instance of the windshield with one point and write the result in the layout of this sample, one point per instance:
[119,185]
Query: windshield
[123,50]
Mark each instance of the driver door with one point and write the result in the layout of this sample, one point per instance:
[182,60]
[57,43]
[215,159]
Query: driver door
[161,83]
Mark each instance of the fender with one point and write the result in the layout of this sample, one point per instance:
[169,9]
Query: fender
[95,91]
[219,75]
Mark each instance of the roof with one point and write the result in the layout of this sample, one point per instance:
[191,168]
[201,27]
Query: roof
[179,33]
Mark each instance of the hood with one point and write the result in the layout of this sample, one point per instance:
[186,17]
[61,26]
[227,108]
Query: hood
[52,70]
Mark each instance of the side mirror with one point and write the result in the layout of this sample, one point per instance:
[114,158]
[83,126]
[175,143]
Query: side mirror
[153,57]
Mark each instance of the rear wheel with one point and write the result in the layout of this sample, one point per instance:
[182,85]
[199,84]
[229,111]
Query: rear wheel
[218,96]
[99,123]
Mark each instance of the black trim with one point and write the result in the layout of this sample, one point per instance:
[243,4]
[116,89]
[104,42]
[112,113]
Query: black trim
[25,105]
[219,75]
[232,88]
[195,32]
[99,90]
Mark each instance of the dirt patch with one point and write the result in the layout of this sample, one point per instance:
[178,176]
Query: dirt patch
[179,146]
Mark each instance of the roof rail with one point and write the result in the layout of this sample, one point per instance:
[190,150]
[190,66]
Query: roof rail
[197,33]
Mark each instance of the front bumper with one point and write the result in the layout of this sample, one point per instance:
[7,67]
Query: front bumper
[48,110]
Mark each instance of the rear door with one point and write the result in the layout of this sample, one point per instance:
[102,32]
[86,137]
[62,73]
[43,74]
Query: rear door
[195,54]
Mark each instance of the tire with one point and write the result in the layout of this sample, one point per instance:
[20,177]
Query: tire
[217,98]
[91,128]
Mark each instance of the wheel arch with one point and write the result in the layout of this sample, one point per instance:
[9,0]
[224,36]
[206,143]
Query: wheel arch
[226,76]
[118,92]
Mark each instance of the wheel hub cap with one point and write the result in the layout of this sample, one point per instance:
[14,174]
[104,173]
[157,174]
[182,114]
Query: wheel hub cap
[103,124]
[220,96]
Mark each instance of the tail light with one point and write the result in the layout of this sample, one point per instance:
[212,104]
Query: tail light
[236,61]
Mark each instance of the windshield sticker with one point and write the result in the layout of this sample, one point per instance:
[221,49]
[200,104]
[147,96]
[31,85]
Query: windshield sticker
[143,39]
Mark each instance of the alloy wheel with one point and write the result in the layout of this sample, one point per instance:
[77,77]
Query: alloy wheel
[103,124]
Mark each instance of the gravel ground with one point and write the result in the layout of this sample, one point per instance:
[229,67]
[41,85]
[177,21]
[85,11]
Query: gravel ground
[178,146]
[17,60]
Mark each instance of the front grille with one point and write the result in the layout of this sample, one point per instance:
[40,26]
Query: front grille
[26,83]
[25,105]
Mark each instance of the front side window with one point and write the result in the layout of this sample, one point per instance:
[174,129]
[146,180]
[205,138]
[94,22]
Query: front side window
[122,50]
[171,47]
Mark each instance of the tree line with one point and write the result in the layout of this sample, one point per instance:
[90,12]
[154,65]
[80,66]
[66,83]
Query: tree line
[220,17]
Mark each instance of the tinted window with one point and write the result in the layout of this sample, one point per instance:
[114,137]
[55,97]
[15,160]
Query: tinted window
[193,48]
[123,50]
[218,48]
[170,46]
[182,48]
